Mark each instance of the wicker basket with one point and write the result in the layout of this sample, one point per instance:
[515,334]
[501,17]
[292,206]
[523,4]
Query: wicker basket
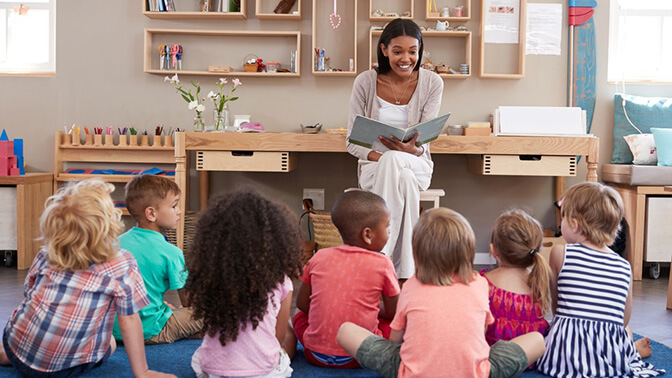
[190,222]
[326,234]
[250,67]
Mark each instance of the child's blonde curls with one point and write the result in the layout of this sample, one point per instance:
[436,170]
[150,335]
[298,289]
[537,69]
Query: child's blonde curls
[80,225]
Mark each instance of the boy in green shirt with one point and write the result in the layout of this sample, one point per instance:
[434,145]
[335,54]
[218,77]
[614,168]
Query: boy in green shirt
[153,202]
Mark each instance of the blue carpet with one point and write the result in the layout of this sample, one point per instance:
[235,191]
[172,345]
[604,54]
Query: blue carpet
[176,358]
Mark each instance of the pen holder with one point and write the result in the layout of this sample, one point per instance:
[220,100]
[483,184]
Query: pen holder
[156,141]
[75,140]
[98,140]
[109,139]
[66,139]
[123,140]
[168,141]
[144,140]
[88,139]
[132,140]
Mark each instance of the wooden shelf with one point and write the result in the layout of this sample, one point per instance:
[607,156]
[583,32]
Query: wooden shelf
[334,42]
[432,34]
[522,30]
[197,15]
[275,16]
[437,17]
[151,53]
[374,18]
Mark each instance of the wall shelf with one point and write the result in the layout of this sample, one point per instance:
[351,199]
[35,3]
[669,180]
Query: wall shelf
[499,49]
[209,55]
[437,16]
[428,35]
[197,15]
[348,13]
[261,13]
[380,18]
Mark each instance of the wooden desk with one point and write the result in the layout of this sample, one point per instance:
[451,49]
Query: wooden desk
[296,142]
[32,190]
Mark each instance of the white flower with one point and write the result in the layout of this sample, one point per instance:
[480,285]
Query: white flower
[193,105]
[222,80]
[236,82]
[211,94]
[200,107]
[174,79]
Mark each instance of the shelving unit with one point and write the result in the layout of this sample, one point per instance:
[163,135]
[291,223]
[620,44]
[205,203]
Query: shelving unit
[197,15]
[437,17]
[189,39]
[262,14]
[465,36]
[374,18]
[65,153]
[337,39]
[500,50]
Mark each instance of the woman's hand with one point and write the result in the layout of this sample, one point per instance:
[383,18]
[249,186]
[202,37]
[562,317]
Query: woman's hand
[396,145]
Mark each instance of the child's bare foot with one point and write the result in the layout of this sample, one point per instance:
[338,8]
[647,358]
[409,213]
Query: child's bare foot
[643,347]
[3,357]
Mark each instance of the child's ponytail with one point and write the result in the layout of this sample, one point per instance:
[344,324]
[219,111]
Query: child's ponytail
[539,282]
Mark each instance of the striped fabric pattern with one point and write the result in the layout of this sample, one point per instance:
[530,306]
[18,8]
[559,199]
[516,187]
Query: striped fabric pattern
[66,317]
[587,337]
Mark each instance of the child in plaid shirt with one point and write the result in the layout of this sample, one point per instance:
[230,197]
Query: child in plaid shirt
[76,284]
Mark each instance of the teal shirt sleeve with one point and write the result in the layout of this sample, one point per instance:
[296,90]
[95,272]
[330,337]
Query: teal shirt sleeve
[177,271]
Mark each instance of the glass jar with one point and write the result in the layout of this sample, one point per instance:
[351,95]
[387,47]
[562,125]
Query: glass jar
[199,124]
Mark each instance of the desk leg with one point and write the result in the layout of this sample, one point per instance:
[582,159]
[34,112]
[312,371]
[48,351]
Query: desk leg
[181,180]
[30,199]
[560,185]
[592,161]
[638,242]
[203,188]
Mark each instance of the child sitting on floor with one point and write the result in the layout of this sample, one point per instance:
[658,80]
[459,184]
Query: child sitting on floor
[519,286]
[439,326]
[346,283]
[153,202]
[591,292]
[245,254]
[75,285]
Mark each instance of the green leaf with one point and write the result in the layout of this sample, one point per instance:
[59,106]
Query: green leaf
[233,99]
[186,98]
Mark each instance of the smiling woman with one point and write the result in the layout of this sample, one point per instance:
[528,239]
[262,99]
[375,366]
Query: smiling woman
[401,94]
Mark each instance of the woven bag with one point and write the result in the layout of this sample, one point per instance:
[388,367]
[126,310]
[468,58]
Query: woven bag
[326,234]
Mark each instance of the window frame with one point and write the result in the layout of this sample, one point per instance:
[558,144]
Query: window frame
[616,34]
[47,69]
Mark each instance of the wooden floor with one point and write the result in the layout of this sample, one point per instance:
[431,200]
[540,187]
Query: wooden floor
[649,316]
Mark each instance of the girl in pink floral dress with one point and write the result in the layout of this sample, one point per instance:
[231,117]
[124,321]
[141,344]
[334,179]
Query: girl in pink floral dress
[519,286]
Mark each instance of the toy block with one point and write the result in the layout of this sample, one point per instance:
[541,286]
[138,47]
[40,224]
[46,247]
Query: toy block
[20,164]
[4,135]
[11,161]
[18,147]
[14,172]
[4,166]
[6,148]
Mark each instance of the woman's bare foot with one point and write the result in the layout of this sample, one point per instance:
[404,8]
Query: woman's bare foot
[643,347]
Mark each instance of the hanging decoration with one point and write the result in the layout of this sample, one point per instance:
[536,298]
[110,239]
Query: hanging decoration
[335,18]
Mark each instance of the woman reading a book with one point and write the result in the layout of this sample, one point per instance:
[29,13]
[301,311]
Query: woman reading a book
[401,94]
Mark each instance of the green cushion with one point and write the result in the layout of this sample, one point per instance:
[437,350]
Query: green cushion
[645,113]
[663,138]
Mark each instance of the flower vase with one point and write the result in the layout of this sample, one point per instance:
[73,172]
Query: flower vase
[222,118]
[199,124]
[227,120]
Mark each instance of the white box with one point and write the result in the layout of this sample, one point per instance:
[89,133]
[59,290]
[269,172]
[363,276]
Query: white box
[8,218]
[658,242]
[539,121]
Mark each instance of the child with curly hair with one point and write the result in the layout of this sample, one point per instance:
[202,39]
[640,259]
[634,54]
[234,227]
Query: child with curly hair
[591,292]
[346,283]
[75,285]
[245,254]
[519,286]
[443,309]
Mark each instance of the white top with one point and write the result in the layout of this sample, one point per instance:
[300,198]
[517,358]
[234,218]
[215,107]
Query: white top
[395,115]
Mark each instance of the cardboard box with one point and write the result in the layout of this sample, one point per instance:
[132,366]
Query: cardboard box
[476,131]
[222,69]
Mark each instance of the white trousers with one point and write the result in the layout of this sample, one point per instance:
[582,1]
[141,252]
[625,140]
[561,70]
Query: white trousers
[398,177]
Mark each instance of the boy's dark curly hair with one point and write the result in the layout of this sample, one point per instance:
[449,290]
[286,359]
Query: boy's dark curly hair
[244,247]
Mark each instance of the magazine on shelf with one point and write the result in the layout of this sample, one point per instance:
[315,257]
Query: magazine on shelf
[365,131]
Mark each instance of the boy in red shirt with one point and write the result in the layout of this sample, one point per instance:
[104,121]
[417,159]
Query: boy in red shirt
[345,283]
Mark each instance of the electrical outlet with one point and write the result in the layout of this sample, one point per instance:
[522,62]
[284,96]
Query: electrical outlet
[317,195]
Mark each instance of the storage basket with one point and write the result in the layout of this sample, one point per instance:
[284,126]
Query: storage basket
[190,223]
[325,233]
[250,67]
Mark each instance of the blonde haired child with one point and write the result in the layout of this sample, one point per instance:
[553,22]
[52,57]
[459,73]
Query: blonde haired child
[438,329]
[75,285]
[591,292]
[519,286]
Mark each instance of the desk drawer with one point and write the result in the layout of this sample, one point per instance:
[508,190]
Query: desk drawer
[522,165]
[247,161]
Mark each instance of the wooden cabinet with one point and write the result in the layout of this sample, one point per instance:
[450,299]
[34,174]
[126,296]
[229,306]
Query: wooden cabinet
[212,47]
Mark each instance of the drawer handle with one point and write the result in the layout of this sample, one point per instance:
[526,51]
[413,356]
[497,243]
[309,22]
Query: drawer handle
[529,157]
[242,153]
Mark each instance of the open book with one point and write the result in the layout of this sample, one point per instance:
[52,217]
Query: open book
[365,131]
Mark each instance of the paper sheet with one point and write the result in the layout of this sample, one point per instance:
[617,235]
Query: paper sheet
[544,29]
[502,21]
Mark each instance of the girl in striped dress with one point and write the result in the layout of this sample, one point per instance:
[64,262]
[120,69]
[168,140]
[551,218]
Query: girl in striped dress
[591,294]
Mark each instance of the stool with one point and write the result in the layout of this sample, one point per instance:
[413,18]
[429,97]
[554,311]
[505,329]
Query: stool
[429,195]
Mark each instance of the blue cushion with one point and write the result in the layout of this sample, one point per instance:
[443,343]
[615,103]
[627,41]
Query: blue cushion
[645,113]
[663,139]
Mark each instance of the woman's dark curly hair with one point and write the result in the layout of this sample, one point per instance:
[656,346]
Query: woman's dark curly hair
[244,247]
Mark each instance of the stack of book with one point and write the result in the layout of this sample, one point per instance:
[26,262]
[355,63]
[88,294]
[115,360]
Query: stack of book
[161,5]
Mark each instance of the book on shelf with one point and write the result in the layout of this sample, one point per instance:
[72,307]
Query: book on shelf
[365,132]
